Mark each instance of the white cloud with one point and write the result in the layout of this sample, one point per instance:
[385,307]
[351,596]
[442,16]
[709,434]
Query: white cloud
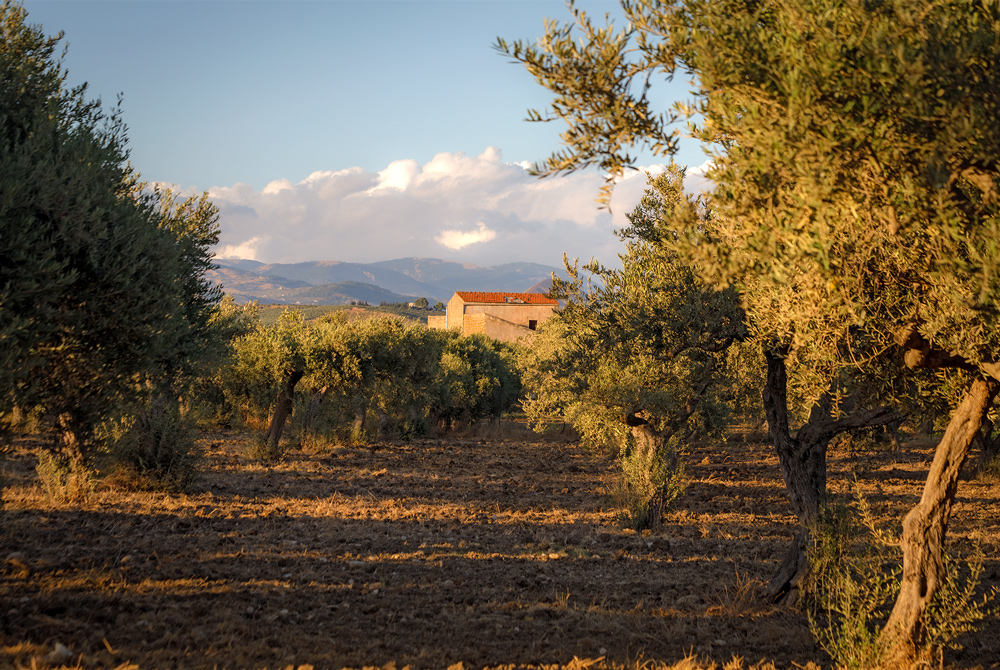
[696,182]
[397,176]
[247,250]
[428,210]
[458,239]
[277,186]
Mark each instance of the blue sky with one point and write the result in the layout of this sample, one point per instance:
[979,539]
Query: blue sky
[292,113]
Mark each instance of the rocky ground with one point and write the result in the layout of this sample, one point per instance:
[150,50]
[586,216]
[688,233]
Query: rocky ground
[499,552]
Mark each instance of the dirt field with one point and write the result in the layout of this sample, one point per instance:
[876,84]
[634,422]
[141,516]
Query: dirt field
[428,553]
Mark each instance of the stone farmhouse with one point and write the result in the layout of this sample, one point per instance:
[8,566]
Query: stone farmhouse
[500,315]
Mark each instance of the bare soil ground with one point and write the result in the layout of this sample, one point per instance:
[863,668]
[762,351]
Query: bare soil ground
[430,553]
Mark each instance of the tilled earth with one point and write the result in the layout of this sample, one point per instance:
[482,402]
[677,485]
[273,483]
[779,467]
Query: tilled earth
[430,553]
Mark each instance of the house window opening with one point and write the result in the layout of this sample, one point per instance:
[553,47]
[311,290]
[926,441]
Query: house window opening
[532,324]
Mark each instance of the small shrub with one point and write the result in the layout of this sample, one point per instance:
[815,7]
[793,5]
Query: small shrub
[854,581]
[649,484]
[851,587]
[954,611]
[63,480]
[152,449]
[259,450]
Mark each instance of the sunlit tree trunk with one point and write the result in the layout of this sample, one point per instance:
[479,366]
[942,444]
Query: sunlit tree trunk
[925,527]
[651,444]
[803,465]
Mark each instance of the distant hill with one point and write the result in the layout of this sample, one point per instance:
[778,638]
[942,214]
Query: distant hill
[401,280]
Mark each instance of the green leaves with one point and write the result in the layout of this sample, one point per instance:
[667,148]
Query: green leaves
[601,83]
[647,341]
[102,289]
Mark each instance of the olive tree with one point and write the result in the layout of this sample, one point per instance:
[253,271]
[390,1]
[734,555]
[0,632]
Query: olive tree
[381,366]
[855,148]
[477,379]
[102,288]
[638,356]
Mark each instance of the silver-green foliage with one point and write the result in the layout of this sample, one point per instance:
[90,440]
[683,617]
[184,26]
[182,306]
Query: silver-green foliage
[152,447]
[856,197]
[365,379]
[102,287]
[651,481]
[638,359]
[648,341]
[478,379]
[854,580]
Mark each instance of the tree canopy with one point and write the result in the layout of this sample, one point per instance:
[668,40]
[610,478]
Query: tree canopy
[101,278]
[855,162]
[639,358]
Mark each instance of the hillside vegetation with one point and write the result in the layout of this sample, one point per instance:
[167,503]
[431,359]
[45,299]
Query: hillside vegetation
[401,280]
[269,314]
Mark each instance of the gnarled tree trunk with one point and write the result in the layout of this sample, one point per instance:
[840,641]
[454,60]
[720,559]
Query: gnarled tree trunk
[925,527]
[803,465]
[651,444]
[282,408]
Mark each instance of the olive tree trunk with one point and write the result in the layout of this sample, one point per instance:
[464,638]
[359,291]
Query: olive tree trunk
[651,445]
[282,408]
[925,527]
[803,465]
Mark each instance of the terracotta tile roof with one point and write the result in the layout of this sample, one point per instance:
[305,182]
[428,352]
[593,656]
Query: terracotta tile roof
[502,298]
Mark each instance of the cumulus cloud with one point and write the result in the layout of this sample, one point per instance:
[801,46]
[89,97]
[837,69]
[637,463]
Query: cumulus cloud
[695,180]
[477,209]
[247,250]
[458,239]
[397,176]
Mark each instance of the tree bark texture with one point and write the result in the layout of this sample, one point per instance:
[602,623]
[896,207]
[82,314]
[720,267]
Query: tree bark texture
[803,465]
[282,408]
[925,527]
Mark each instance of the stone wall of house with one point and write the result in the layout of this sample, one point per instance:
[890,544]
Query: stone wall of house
[474,323]
[455,313]
[501,329]
[502,321]
[519,314]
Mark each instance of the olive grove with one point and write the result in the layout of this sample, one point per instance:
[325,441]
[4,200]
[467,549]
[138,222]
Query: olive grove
[358,380]
[855,151]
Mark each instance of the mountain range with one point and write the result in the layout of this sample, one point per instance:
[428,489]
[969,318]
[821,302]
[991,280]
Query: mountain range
[400,280]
